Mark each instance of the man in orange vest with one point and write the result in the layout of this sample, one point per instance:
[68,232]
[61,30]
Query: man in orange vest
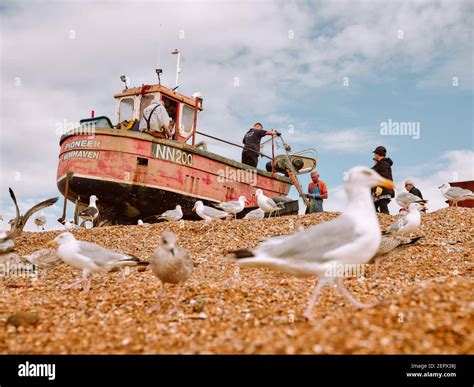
[317,192]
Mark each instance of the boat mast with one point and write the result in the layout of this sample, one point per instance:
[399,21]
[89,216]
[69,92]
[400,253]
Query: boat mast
[178,69]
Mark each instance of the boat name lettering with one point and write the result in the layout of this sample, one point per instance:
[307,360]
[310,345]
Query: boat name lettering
[83,144]
[172,154]
[81,154]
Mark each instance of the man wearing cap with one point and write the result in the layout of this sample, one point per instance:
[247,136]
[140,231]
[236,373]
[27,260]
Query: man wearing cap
[252,141]
[410,187]
[383,166]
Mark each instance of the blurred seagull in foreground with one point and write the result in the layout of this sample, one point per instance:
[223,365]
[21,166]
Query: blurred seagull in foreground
[172,215]
[255,214]
[171,264]
[456,194]
[352,238]
[40,221]
[43,258]
[265,203]
[91,212]
[90,257]
[233,207]
[407,223]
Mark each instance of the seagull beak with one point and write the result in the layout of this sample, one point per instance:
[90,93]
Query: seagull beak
[386,183]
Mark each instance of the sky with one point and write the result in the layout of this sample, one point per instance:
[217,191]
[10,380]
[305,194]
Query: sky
[330,75]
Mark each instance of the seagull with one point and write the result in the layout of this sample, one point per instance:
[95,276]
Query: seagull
[171,264]
[233,207]
[388,244]
[456,194]
[404,199]
[408,223]
[19,221]
[172,215]
[91,212]
[70,225]
[40,221]
[255,214]
[208,213]
[6,243]
[265,203]
[352,238]
[90,257]
[43,258]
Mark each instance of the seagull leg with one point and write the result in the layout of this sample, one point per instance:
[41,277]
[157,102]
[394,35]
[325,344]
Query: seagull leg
[73,285]
[88,284]
[346,293]
[157,306]
[175,306]
[308,314]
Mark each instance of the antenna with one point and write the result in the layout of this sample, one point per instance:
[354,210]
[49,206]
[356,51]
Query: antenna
[178,69]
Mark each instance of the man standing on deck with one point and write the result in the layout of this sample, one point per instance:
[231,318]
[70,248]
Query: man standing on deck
[317,192]
[252,141]
[156,120]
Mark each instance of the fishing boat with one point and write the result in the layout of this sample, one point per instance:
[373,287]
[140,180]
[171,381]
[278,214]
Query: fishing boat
[136,175]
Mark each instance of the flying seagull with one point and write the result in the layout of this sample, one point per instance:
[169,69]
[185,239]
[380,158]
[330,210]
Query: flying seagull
[456,194]
[90,257]
[91,212]
[18,223]
[171,264]
[407,223]
[233,207]
[265,203]
[352,238]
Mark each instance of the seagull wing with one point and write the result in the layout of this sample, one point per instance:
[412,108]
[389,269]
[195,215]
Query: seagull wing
[103,257]
[458,192]
[323,239]
[397,225]
[214,213]
[12,195]
[89,212]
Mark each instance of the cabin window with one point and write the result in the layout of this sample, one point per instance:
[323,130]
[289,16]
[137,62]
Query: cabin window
[126,109]
[187,120]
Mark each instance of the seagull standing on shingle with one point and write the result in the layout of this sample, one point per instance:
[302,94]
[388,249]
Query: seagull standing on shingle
[172,215]
[40,221]
[456,194]
[265,203]
[233,207]
[90,257]
[408,223]
[91,212]
[352,238]
[208,214]
[171,264]
[255,214]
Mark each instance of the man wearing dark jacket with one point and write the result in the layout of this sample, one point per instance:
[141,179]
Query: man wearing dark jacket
[383,166]
[410,187]
[251,143]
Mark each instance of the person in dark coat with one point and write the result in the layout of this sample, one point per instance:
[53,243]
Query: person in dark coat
[383,166]
[252,141]
[410,187]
